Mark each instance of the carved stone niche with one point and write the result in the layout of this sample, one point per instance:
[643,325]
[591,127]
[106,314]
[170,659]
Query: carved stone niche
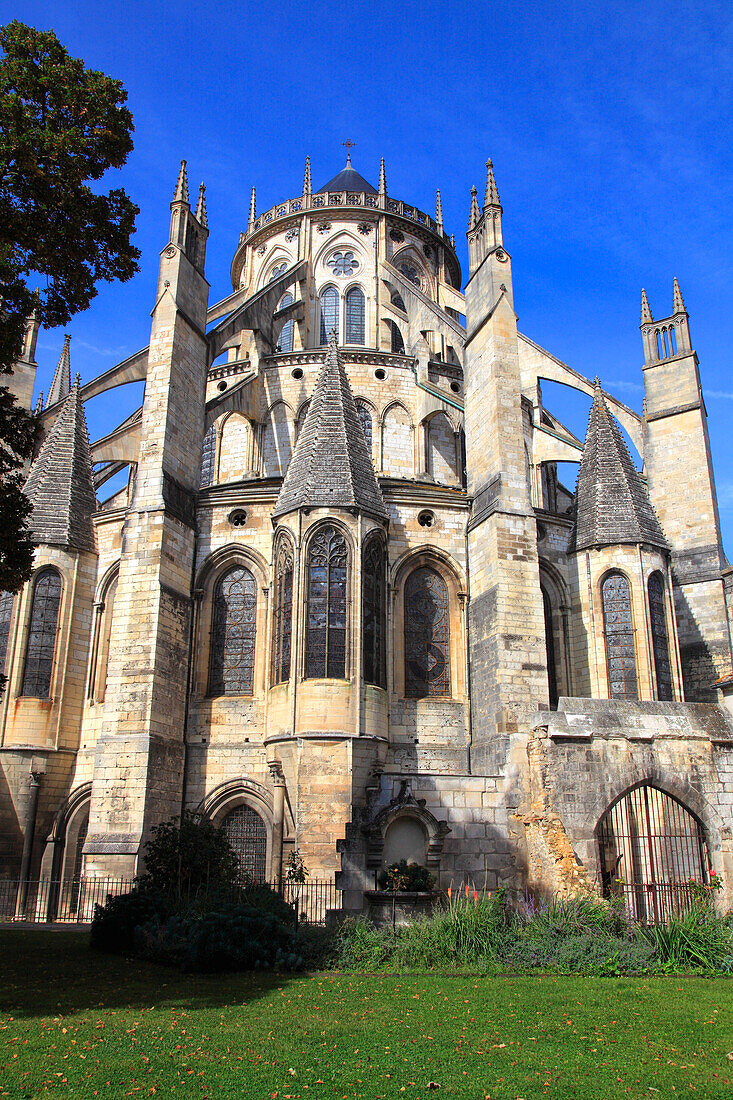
[405,806]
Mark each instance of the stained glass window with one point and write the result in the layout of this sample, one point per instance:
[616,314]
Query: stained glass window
[42,634]
[6,610]
[329,312]
[619,631]
[410,272]
[233,634]
[373,611]
[365,419]
[427,635]
[660,643]
[325,649]
[247,835]
[397,300]
[354,327]
[343,263]
[208,454]
[277,271]
[283,611]
[397,344]
[285,343]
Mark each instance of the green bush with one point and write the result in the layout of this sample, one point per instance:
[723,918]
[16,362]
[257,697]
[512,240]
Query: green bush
[114,924]
[187,857]
[404,876]
[698,939]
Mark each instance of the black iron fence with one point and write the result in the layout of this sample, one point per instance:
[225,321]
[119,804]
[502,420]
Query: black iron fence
[73,900]
[658,902]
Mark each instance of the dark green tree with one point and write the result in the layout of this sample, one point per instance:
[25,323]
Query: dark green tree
[61,127]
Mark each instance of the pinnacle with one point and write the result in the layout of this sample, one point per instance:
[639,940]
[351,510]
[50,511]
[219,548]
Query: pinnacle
[61,384]
[646,313]
[382,179]
[307,177]
[679,305]
[491,196]
[252,209]
[181,192]
[438,208]
[201,215]
[475,213]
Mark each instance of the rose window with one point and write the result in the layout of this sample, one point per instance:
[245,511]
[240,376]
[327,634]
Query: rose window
[343,263]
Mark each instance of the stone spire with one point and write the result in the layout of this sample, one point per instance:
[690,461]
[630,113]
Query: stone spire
[60,484]
[61,384]
[307,177]
[438,209]
[181,192]
[382,179]
[331,466]
[201,216]
[252,209]
[475,213]
[39,405]
[611,501]
[679,305]
[491,196]
[646,313]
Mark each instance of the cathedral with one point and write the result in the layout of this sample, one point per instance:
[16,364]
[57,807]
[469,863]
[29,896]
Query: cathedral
[343,605]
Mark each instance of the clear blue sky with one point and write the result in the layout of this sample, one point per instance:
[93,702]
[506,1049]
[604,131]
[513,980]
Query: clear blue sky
[609,127]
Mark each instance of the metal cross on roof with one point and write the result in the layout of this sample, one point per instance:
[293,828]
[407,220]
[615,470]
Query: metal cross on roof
[349,144]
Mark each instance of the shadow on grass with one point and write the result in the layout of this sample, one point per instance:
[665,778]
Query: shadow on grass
[57,973]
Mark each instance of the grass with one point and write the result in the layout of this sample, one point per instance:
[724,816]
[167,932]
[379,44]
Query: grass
[80,1024]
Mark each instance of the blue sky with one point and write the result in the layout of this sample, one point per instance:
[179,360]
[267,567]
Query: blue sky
[609,127]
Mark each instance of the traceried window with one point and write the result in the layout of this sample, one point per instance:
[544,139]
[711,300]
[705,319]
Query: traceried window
[208,455]
[365,419]
[660,644]
[247,835]
[285,343]
[427,635]
[6,610]
[354,327]
[373,612]
[277,271]
[397,344]
[619,632]
[411,272]
[325,646]
[343,263]
[233,634]
[42,634]
[329,313]
[397,300]
[283,611]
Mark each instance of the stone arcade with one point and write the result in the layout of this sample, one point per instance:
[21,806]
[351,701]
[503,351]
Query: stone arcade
[327,618]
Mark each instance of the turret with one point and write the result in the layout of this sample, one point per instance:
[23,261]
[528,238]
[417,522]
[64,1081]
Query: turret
[485,236]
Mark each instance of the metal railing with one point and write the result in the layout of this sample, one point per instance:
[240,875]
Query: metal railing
[72,901]
[658,902]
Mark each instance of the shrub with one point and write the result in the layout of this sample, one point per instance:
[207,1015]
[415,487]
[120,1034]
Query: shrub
[114,924]
[699,938]
[404,876]
[186,857]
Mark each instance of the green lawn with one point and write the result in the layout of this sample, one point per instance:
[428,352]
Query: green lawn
[75,1023]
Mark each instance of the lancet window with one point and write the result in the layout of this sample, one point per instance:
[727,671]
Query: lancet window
[208,455]
[397,344]
[619,633]
[6,611]
[354,314]
[329,303]
[660,643]
[233,634]
[427,635]
[374,613]
[328,557]
[365,419]
[285,343]
[247,835]
[42,632]
[283,611]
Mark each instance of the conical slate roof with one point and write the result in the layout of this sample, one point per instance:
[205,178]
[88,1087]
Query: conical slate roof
[347,180]
[331,466]
[60,484]
[61,384]
[611,502]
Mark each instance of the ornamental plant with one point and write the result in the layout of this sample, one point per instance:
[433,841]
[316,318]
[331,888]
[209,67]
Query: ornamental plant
[404,876]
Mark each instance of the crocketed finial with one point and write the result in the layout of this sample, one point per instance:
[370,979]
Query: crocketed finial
[307,177]
[491,196]
[382,179]
[181,192]
[438,208]
[646,313]
[252,209]
[679,305]
[475,213]
[201,216]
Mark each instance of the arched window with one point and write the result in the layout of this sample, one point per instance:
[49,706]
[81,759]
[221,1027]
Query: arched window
[285,343]
[329,312]
[660,644]
[354,316]
[550,649]
[427,635]
[651,847]
[325,646]
[208,454]
[283,611]
[277,271]
[98,681]
[247,835]
[397,344]
[397,300]
[42,634]
[233,634]
[365,419]
[6,611]
[619,633]
[373,612]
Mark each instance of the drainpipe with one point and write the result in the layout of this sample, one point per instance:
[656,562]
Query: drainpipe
[37,770]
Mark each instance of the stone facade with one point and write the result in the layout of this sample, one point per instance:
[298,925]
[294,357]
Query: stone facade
[327,618]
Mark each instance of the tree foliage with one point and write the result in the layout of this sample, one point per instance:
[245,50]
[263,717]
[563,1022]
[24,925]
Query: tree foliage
[61,127]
